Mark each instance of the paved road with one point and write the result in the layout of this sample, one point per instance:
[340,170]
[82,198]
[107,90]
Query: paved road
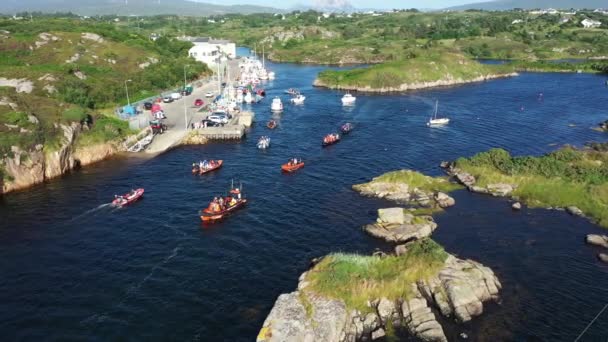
[176,122]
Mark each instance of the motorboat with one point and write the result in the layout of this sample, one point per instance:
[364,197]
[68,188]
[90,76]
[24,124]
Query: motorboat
[292,91]
[331,139]
[348,99]
[248,98]
[271,75]
[217,210]
[128,198]
[207,167]
[346,128]
[299,99]
[435,121]
[276,105]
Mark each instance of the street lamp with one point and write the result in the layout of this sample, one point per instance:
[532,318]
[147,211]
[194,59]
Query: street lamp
[184,100]
[127,91]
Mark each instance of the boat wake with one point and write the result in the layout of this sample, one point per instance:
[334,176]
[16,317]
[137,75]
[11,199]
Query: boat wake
[90,211]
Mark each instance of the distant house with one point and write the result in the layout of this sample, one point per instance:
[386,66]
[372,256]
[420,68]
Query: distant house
[517,21]
[590,23]
[154,36]
[564,20]
[209,50]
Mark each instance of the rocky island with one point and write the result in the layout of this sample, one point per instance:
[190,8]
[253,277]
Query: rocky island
[347,297]
[432,70]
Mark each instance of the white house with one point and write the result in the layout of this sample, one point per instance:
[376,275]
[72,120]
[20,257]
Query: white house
[517,21]
[589,23]
[208,50]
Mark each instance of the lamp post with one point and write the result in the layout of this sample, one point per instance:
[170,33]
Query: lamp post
[127,91]
[184,100]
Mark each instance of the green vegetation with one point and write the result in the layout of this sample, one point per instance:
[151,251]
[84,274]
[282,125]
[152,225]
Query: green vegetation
[79,69]
[566,177]
[356,279]
[428,68]
[418,180]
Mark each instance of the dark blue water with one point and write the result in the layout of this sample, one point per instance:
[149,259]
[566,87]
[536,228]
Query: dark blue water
[70,270]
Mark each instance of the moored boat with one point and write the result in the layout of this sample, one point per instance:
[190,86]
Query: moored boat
[264,143]
[330,139]
[276,105]
[271,124]
[128,198]
[348,99]
[292,165]
[206,166]
[435,121]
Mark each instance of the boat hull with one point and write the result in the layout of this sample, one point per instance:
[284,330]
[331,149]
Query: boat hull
[291,168]
[211,217]
[139,193]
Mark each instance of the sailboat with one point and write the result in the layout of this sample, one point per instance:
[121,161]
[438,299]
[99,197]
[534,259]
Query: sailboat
[434,121]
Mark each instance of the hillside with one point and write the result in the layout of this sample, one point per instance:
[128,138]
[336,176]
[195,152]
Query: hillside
[60,81]
[505,5]
[129,7]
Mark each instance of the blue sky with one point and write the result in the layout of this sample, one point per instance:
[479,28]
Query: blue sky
[387,4]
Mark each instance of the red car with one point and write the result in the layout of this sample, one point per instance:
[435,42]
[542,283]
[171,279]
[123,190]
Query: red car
[198,102]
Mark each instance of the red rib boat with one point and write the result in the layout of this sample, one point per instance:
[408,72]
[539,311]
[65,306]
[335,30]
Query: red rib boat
[292,166]
[213,165]
[128,198]
[331,139]
[271,124]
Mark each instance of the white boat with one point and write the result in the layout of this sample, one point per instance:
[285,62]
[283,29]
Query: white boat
[277,105]
[271,75]
[263,143]
[435,121]
[248,98]
[299,99]
[348,99]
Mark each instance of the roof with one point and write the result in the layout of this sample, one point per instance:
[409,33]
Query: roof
[210,40]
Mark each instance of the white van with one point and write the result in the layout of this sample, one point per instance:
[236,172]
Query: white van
[176,96]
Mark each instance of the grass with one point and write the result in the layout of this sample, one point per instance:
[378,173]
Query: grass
[566,177]
[431,67]
[418,180]
[105,128]
[356,279]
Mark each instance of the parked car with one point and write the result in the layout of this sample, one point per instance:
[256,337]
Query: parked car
[176,96]
[186,92]
[148,105]
[199,102]
[209,94]
[210,123]
[218,118]
[167,99]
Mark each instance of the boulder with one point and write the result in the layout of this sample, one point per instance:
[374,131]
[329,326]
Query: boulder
[400,249]
[443,200]
[391,216]
[391,191]
[500,189]
[516,206]
[603,257]
[412,229]
[575,211]
[420,320]
[598,240]
[465,178]
[380,333]
[478,189]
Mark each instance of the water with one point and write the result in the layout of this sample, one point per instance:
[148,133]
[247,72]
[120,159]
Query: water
[71,268]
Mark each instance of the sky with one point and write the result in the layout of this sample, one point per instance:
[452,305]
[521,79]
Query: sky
[382,4]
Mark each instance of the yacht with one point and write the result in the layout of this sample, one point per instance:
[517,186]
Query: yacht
[348,99]
[299,99]
[435,121]
[277,105]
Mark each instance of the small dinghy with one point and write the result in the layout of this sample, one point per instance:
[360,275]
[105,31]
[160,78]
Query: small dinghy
[271,124]
[346,128]
[264,143]
[331,139]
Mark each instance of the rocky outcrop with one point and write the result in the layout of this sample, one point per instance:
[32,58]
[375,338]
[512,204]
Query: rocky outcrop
[458,290]
[27,168]
[604,126]
[21,85]
[603,257]
[412,86]
[194,138]
[575,211]
[395,225]
[597,240]
[516,206]
[404,193]
[468,180]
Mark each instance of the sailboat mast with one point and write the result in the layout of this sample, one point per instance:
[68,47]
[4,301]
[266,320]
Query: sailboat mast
[436,105]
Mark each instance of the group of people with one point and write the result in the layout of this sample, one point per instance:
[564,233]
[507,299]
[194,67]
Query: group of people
[220,203]
[205,164]
[294,161]
[331,138]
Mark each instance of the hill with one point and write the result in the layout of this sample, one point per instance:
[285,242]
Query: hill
[504,5]
[128,7]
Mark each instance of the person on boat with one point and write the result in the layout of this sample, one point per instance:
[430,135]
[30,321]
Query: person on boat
[221,201]
[232,201]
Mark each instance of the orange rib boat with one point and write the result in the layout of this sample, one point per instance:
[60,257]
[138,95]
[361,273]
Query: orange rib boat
[217,165]
[291,167]
[209,215]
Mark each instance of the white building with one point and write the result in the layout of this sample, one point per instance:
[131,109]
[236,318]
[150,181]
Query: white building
[208,50]
[589,23]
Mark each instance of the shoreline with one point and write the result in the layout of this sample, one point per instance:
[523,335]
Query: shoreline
[413,86]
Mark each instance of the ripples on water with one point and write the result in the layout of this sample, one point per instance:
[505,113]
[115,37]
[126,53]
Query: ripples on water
[71,268]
